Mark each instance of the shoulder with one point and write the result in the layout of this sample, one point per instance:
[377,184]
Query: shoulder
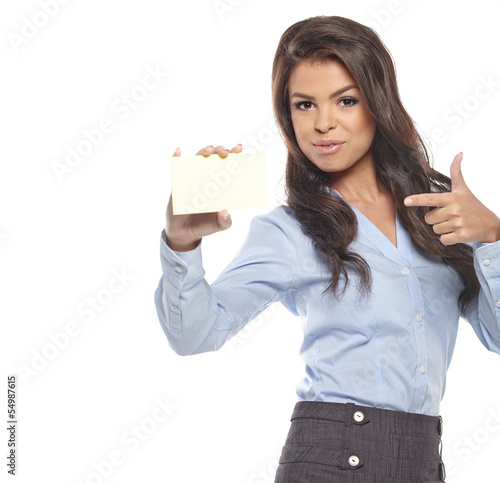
[282,216]
[282,212]
[276,225]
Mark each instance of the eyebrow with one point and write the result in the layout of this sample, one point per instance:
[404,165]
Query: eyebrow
[336,93]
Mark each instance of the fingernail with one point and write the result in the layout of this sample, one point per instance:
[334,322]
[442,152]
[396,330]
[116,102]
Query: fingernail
[408,201]
[240,144]
[177,151]
[225,215]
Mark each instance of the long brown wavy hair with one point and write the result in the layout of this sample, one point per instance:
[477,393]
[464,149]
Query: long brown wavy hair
[401,159]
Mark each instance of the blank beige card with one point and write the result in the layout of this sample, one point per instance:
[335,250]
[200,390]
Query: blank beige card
[202,184]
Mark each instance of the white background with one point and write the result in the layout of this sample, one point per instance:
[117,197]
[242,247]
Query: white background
[62,240]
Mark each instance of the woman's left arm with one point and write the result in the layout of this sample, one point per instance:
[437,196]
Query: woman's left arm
[459,217]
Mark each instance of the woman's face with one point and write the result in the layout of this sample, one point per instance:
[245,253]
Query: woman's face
[332,123]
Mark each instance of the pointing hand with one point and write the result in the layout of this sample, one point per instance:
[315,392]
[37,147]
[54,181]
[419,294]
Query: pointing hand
[459,217]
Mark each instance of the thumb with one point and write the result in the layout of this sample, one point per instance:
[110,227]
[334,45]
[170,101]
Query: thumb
[224,219]
[457,179]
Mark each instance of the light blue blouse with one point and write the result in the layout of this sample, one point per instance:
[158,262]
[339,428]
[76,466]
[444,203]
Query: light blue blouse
[388,350]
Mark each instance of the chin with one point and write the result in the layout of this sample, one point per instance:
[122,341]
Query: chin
[329,165]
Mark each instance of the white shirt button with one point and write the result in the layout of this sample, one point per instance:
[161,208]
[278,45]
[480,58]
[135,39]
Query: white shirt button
[486,261]
[174,308]
[353,460]
[406,270]
[422,369]
[359,416]
[419,317]
[178,269]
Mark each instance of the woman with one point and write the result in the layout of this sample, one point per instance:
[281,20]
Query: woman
[378,278]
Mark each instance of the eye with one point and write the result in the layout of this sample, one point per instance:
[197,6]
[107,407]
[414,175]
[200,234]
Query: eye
[348,102]
[303,105]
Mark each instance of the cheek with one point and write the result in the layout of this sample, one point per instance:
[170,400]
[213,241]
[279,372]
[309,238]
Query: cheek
[371,129]
[369,124]
[366,129]
[298,127]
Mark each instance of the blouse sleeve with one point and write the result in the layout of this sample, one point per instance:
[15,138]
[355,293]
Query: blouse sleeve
[483,313]
[197,317]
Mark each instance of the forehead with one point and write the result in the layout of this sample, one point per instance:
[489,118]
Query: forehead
[325,74]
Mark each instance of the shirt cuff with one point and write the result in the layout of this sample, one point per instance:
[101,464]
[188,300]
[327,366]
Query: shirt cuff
[176,265]
[488,258]
[477,245]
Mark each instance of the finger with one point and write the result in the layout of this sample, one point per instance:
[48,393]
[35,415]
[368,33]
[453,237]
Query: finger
[457,179]
[237,149]
[224,219]
[222,151]
[437,215]
[427,199]
[207,151]
[443,228]
[449,238]
[177,152]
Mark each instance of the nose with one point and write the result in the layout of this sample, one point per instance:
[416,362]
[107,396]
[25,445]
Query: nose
[325,120]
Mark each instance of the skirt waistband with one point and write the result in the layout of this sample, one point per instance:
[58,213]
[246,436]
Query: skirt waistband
[331,440]
[383,420]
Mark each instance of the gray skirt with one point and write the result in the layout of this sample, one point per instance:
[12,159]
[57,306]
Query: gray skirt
[335,442]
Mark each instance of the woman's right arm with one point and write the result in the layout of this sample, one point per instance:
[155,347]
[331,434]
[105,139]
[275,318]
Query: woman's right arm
[197,317]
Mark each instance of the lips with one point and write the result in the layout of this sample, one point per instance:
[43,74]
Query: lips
[328,146]
[328,142]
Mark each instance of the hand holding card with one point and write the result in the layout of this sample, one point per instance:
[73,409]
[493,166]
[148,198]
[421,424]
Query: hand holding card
[205,186]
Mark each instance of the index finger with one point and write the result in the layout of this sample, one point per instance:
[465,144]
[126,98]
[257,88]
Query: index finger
[427,199]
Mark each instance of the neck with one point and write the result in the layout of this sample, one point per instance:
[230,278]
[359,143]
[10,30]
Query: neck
[359,183]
